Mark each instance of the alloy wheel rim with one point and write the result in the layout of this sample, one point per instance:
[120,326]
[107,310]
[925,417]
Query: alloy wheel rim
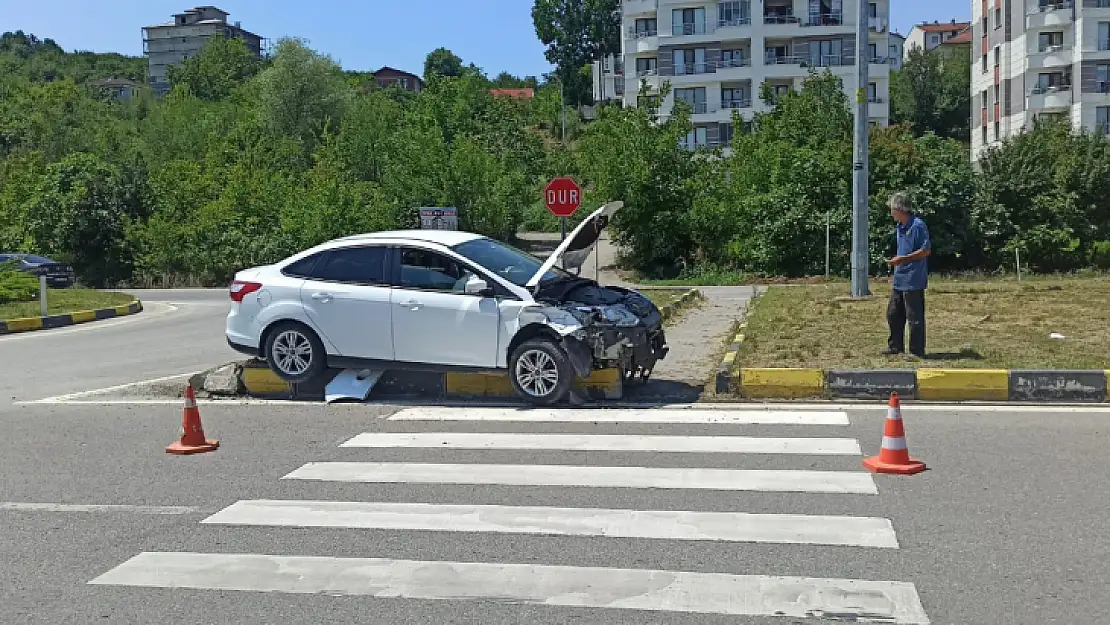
[537,373]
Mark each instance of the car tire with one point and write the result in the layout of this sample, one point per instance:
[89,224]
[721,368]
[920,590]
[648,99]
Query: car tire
[540,372]
[288,340]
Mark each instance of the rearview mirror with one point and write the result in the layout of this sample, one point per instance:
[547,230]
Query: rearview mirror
[479,287]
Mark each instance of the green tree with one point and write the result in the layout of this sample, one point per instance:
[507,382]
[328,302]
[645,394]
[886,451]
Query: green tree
[302,93]
[442,62]
[932,93]
[576,33]
[222,65]
[79,213]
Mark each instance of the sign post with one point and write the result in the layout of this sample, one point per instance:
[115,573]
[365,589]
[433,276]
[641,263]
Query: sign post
[562,196]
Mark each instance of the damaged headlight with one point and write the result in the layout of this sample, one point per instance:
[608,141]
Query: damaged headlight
[561,320]
[619,316]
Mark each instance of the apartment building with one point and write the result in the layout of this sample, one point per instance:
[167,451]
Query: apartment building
[930,36]
[168,44]
[1035,59]
[716,55]
[897,46]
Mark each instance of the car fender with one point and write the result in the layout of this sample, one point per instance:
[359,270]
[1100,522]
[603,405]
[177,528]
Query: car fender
[289,311]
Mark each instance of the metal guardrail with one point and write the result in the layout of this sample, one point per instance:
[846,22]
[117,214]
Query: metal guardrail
[824,19]
[1055,6]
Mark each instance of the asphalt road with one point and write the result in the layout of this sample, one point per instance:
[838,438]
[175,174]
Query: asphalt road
[1008,526]
[179,331]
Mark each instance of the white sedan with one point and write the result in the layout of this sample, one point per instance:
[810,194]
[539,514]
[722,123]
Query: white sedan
[445,301]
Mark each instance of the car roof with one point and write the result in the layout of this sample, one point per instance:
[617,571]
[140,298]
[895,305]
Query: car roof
[442,237]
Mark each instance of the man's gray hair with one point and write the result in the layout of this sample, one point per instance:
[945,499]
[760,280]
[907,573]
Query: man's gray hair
[901,202]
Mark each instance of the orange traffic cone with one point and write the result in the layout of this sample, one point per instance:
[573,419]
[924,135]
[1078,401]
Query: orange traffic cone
[192,432]
[894,457]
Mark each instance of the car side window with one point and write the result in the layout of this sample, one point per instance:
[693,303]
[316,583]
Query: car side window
[303,267]
[354,265]
[426,270]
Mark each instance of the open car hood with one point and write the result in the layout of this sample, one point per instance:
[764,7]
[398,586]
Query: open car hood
[578,245]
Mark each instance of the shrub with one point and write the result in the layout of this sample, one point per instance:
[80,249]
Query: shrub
[15,285]
[1100,255]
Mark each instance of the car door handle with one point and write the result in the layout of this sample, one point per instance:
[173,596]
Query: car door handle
[411,304]
[322,297]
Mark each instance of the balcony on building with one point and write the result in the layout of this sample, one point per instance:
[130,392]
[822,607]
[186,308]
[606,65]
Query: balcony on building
[877,24]
[1050,96]
[779,12]
[733,14]
[1059,55]
[639,7]
[735,62]
[1047,14]
[832,18]
[735,96]
[642,35]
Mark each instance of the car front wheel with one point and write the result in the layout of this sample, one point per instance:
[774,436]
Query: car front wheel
[295,353]
[540,372]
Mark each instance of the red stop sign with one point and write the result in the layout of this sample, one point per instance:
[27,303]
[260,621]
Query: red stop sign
[562,196]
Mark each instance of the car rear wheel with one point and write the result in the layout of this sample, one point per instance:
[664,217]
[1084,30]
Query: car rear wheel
[540,372]
[294,352]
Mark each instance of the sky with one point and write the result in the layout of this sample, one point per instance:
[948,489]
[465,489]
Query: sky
[496,35]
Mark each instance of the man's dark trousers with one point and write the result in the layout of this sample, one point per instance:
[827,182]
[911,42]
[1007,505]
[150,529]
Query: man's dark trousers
[906,306]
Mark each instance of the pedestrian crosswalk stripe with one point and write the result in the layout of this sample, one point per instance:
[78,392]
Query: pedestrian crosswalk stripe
[652,590]
[608,442]
[805,481]
[657,524]
[639,415]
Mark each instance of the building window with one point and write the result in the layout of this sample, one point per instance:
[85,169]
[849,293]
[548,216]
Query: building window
[998,16]
[695,97]
[873,52]
[734,98]
[872,10]
[733,58]
[1102,120]
[1047,42]
[1102,78]
[1104,35]
[826,52]
[997,130]
[727,132]
[688,21]
[646,27]
[734,13]
[873,93]
[689,61]
[934,40]
[646,66]
[696,138]
[984,134]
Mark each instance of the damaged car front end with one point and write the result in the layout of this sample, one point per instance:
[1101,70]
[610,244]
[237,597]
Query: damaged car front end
[614,327]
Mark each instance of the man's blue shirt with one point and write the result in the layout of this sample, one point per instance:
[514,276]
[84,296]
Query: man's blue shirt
[912,276]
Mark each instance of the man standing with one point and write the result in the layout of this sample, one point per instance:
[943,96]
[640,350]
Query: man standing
[911,277]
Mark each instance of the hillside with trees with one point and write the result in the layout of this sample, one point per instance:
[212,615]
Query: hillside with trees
[245,161]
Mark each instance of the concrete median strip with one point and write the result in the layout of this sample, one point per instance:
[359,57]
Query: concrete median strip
[256,379]
[29,324]
[986,385]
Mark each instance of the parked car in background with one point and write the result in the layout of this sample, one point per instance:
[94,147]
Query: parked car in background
[445,300]
[58,275]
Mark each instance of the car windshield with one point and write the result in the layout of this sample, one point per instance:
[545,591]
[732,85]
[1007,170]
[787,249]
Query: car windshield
[512,264]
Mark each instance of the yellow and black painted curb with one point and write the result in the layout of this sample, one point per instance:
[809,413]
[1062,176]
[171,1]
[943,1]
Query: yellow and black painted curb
[999,385]
[29,324]
[258,380]
[680,303]
[728,363]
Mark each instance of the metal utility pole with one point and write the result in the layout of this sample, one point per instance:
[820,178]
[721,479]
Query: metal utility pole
[861,149]
[563,103]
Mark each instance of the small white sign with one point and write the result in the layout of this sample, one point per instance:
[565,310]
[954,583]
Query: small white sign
[442,218]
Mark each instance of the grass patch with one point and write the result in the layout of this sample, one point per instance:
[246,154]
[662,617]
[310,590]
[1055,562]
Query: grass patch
[1000,323]
[60,301]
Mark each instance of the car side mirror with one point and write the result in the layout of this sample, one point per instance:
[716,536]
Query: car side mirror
[479,287]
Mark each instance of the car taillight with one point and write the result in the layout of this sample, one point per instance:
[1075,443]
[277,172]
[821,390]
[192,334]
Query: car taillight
[240,289]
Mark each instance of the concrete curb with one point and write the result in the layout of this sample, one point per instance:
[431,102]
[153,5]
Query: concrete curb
[670,310]
[30,324]
[256,379]
[728,363]
[988,385]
